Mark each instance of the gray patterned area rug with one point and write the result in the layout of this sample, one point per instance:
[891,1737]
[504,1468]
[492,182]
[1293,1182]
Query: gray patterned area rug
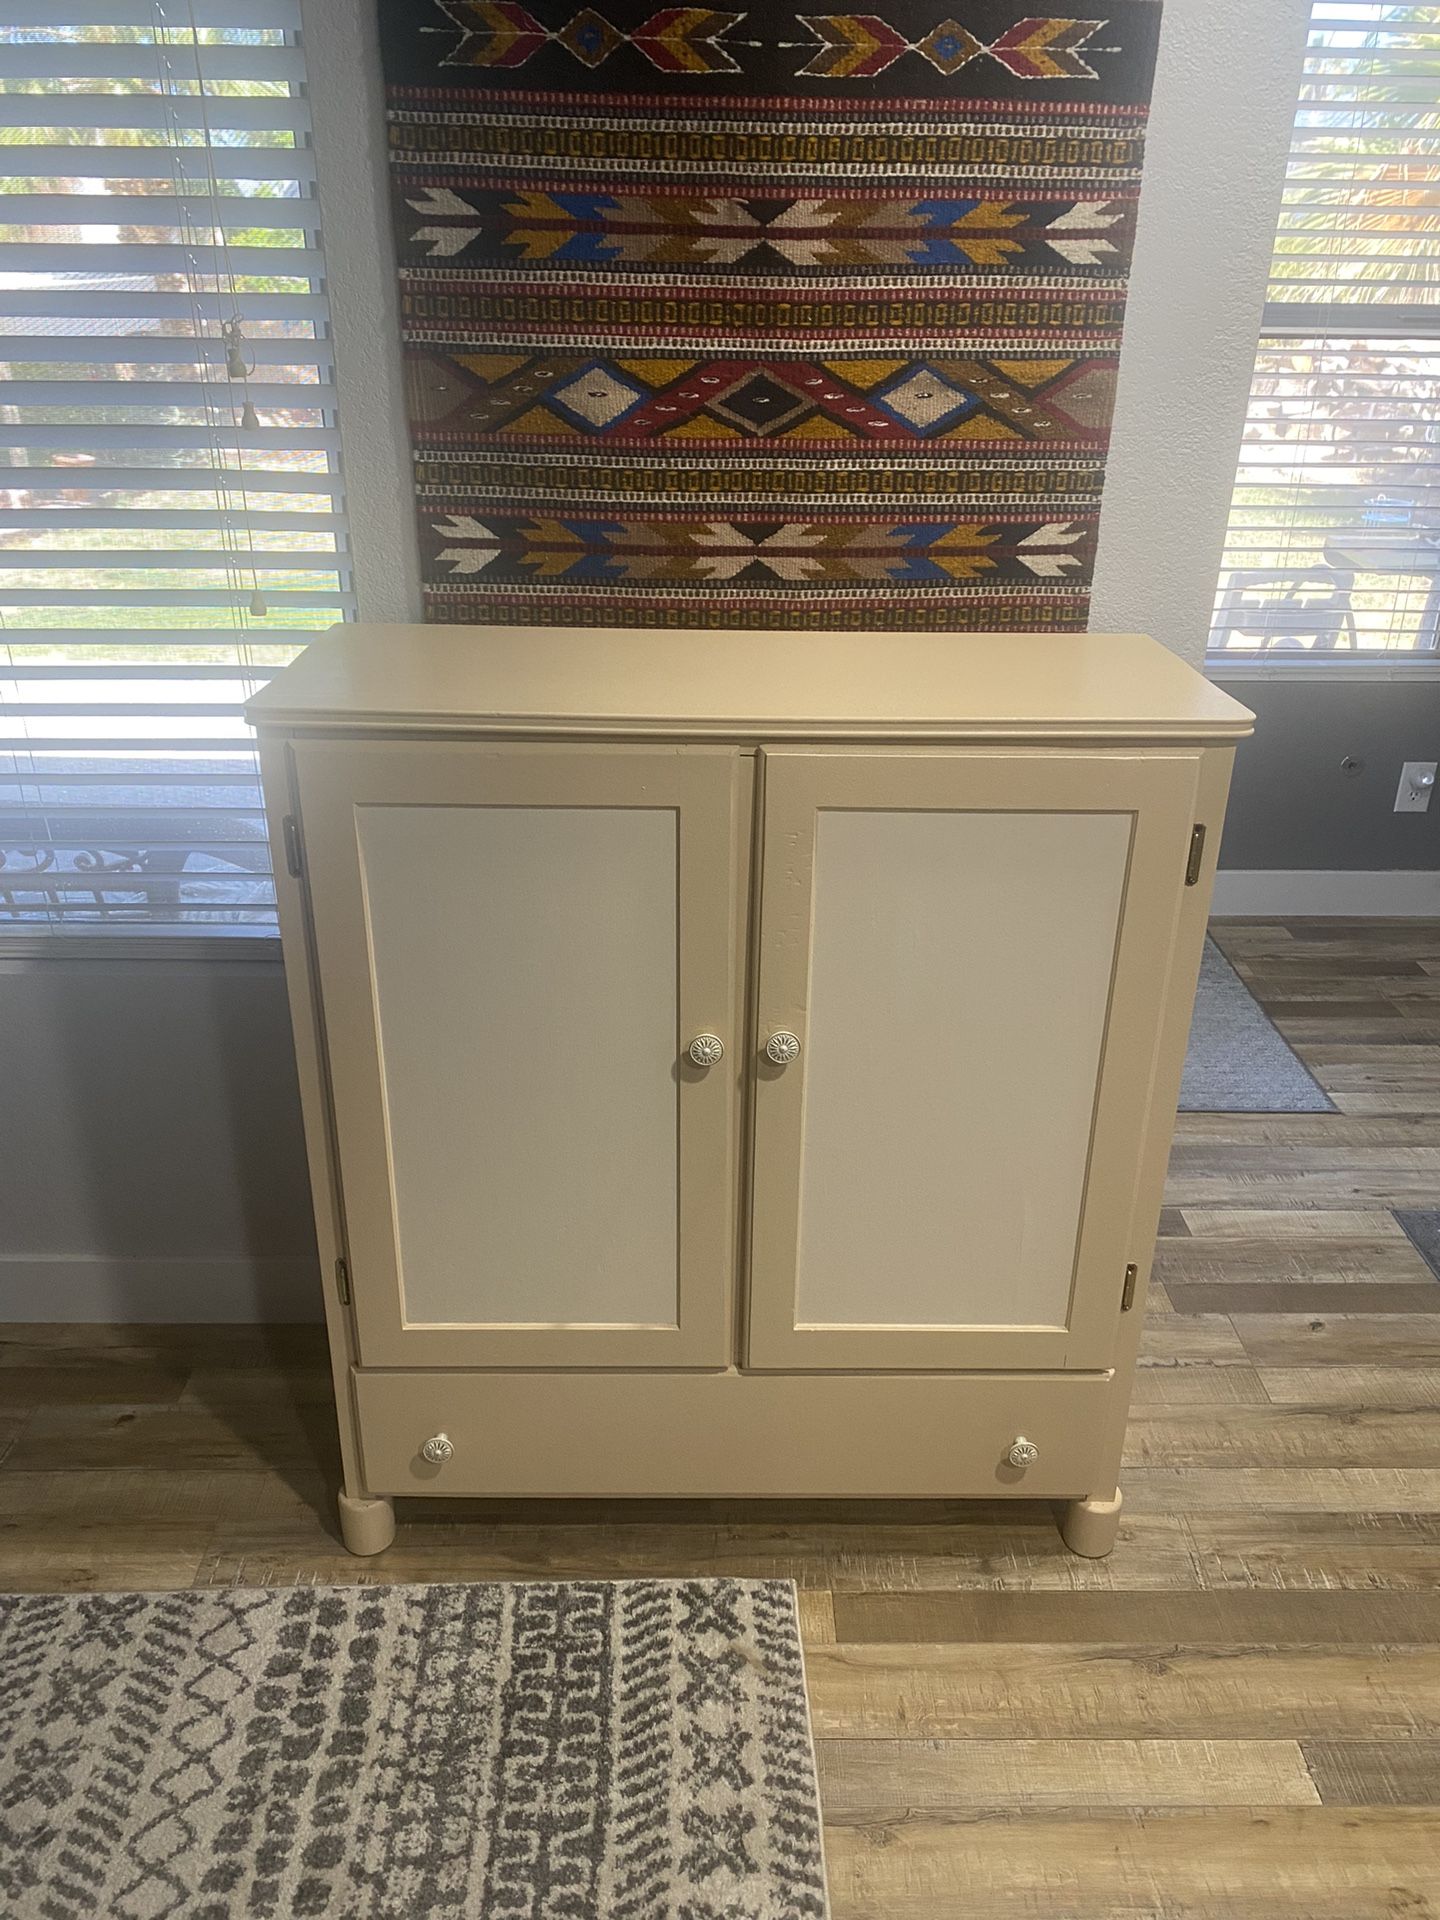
[1421,1225]
[637,1750]
[1238,1060]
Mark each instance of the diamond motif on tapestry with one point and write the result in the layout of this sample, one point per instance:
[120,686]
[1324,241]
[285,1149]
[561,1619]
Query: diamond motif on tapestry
[1086,398]
[922,399]
[597,396]
[949,47]
[590,37]
[761,404]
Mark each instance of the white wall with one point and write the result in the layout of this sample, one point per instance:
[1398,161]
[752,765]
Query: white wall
[1220,122]
[347,113]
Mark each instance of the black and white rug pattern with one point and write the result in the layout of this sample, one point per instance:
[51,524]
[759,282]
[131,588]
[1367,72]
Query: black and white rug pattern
[638,1750]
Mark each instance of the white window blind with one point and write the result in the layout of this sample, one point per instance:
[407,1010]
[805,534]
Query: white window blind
[171,512]
[1333,546]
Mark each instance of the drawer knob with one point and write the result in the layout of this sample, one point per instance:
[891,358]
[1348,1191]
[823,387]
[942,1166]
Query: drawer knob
[1023,1452]
[437,1448]
[782,1048]
[707,1050]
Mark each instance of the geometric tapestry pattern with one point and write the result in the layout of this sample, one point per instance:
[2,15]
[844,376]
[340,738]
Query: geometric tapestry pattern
[762,319]
[543,1750]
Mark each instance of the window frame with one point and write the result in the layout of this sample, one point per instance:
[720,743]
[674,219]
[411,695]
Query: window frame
[1338,322]
[181,940]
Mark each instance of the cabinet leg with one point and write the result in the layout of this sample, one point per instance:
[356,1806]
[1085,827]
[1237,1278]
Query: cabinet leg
[1089,1527]
[366,1526]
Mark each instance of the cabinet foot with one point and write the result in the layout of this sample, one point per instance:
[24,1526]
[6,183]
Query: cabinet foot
[1089,1527]
[366,1526]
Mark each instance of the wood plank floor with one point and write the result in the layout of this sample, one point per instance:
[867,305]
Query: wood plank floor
[1236,1714]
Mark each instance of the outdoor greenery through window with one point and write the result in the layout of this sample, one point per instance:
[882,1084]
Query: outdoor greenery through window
[1333,546]
[171,517]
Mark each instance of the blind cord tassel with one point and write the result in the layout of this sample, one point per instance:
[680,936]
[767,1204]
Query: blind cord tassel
[236,365]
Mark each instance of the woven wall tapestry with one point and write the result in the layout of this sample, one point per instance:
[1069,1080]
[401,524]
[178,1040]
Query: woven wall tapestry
[765,319]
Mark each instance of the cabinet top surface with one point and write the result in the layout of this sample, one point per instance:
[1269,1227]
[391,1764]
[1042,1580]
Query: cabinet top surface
[644,683]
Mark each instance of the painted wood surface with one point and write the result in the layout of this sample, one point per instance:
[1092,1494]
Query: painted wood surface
[1091,687]
[514,946]
[973,952]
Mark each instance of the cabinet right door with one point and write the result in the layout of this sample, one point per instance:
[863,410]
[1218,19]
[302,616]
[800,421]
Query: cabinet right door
[963,963]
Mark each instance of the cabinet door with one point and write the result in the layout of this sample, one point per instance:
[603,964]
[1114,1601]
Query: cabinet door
[972,951]
[515,946]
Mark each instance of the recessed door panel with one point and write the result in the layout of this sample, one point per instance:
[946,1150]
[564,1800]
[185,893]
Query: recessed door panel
[526,988]
[936,1120]
[970,951]
[513,947]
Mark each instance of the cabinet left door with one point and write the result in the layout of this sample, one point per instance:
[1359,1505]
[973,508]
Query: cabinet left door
[515,946]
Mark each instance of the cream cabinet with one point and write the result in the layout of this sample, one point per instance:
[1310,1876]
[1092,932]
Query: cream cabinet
[739,1064]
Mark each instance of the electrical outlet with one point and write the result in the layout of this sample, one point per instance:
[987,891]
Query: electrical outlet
[1417,783]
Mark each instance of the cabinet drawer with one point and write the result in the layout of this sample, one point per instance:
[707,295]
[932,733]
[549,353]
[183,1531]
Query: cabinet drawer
[740,1435]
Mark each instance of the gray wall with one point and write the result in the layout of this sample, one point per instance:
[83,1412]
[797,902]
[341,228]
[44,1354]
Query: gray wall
[1291,806]
[153,1163]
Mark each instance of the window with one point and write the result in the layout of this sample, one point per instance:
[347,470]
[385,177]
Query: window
[171,515]
[1333,546]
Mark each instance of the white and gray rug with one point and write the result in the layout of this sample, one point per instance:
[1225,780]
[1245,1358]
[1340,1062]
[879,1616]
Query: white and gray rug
[1421,1226]
[632,1750]
[1238,1060]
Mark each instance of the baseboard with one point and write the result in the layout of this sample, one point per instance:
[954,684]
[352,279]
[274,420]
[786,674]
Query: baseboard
[79,1287]
[1326,894]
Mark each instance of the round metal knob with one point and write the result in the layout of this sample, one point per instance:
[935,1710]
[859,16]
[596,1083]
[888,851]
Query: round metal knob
[707,1050]
[782,1048]
[437,1448]
[1023,1452]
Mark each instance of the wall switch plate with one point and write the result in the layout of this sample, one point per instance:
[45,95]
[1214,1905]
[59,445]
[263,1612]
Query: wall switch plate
[1417,783]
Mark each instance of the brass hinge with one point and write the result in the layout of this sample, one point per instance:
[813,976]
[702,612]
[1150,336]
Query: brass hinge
[290,832]
[1197,854]
[1127,1292]
[342,1282]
